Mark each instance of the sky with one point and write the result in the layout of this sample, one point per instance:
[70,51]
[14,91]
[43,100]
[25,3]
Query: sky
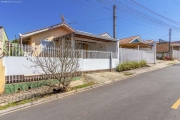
[20,16]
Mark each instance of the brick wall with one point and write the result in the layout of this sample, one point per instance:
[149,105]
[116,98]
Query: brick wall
[162,47]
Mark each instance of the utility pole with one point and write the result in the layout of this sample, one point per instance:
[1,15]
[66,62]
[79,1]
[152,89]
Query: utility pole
[114,21]
[169,40]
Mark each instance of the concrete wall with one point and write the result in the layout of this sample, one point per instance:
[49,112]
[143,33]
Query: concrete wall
[22,66]
[2,77]
[18,66]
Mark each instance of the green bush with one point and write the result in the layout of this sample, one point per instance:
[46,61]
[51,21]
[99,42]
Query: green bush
[129,65]
[143,63]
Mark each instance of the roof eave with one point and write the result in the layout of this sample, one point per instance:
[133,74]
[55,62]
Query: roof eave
[46,29]
[100,37]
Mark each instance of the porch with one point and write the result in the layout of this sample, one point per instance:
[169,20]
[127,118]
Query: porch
[90,42]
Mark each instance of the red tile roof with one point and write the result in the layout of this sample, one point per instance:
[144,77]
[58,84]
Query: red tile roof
[127,40]
[148,41]
[175,42]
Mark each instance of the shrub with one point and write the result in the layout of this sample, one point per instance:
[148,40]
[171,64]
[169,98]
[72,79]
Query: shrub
[143,63]
[129,65]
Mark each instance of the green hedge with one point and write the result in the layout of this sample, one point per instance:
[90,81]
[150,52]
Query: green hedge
[131,65]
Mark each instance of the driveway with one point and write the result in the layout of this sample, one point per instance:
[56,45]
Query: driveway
[148,96]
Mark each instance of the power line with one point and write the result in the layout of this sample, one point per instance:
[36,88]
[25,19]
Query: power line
[176,2]
[92,21]
[147,17]
[154,12]
[142,15]
[87,5]
[103,24]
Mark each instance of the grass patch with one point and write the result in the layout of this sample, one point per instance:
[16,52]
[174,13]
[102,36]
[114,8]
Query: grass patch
[16,103]
[131,65]
[82,86]
[171,63]
[128,74]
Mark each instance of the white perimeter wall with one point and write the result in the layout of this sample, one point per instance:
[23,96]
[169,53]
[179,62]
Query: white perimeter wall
[18,66]
[22,66]
[97,64]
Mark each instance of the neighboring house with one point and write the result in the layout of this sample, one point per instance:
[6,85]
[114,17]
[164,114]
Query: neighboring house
[150,42]
[133,43]
[3,38]
[175,45]
[89,41]
[164,46]
[173,51]
[105,35]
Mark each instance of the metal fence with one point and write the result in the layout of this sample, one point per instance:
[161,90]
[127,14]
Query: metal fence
[136,55]
[176,54]
[15,52]
[27,50]
[98,54]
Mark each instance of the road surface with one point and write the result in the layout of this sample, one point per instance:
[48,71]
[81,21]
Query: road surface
[148,96]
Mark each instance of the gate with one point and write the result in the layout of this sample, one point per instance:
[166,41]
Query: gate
[136,55]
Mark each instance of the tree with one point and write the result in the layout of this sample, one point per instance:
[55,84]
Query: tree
[15,41]
[59,61]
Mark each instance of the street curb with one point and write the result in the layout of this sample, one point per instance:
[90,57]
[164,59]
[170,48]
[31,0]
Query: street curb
[62,95]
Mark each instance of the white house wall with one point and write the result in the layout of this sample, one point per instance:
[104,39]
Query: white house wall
[101,47]
[111,46]
[98,46]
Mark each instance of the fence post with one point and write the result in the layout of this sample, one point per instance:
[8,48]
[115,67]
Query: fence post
[179,53]
[154,52]
[82,61]
[138,53]
[9,48]
[120,54]
[111,61]
[117,50]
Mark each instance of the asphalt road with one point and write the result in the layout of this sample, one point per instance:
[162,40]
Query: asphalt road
[148,96]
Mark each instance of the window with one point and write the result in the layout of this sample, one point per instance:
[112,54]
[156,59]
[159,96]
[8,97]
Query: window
[45,43]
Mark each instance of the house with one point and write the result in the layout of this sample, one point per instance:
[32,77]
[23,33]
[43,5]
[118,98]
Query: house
[164,46]
[175,45]
[166,49]
[89,41]
[150,42]
[3,38]
[134,42]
